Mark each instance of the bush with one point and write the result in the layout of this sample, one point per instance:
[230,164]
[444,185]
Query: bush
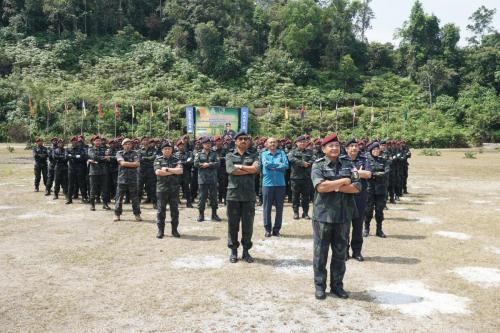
[430,152]
[10,149]
[470,154]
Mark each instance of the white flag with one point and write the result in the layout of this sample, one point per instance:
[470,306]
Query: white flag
[84,109]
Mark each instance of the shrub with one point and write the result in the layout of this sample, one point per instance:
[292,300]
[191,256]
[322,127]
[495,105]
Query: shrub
[430,152]
[470,154]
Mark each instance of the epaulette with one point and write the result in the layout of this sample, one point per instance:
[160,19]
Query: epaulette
[321,159]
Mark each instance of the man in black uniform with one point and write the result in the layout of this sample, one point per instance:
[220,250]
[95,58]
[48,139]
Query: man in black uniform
[194,171]
[167,169]
[406,155]
[112,168]
[147,175]
[186,159]
[59,156]
[207,164]
[128,164]
[77,172]
[241,166]
[51,168]
[97,173]
[40,154]
[300,161]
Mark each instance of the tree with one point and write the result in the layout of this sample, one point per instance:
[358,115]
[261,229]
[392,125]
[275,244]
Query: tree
[480,24]
[434,76]
[208,42]
[363,17]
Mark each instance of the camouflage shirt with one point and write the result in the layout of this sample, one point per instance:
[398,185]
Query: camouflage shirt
[380,170]
[148,157]
[333,207]
[240,188]
[98,155]
[127,175]
[206,175]
[40,154]
[295,159]
[166,183]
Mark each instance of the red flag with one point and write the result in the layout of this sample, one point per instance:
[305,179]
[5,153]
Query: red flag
[100,110]
[117,111]
[302,113]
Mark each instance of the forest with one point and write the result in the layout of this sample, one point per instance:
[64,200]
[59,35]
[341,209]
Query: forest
[130,67]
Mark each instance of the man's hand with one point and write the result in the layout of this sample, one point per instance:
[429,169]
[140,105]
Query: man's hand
[305,164]
[205,165]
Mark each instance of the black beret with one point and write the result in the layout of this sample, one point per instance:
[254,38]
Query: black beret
[373,146]
[240,133]
[205,139]
[383,142]
[351,141]
[301,138]
[166,144]
[329,138]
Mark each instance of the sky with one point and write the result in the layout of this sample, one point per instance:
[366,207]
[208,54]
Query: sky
[390,15]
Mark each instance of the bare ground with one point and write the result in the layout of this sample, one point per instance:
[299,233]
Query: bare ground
[66,269]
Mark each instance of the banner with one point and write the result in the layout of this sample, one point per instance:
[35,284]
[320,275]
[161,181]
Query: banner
[190,119]
[244,119]
[212,120]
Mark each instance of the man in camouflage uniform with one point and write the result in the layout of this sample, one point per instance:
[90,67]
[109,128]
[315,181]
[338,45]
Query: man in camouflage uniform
[185,157]
[194,171]
[59,156]
[128,164]
[333,209]
[147,174]
[207,164]
[40,154]
[300,160]
[241,166]
[112,168]
[97,173]
[167,169]
[221,171]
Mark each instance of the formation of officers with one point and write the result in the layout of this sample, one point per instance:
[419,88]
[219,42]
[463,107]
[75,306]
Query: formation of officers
[348,184]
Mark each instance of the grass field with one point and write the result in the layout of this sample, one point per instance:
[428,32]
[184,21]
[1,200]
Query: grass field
[66,269]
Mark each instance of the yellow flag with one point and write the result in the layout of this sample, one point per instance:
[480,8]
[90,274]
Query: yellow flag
[286,112]
[133,112]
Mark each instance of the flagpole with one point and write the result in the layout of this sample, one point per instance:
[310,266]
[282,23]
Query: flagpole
[353,115]
[65,117]
[133,135]
[83,112]
[115,124]
[48,115]
[320,118]
[336,117]
[150,116]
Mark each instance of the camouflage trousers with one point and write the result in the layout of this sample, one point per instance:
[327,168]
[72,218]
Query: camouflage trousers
[328,235]
[236,211]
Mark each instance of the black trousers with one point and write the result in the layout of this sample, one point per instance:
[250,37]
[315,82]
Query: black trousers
[131,190]
[356,240]
[172,199]
[208,191]
[40,172]
[376,202]
[148,183]
[99,185]
[60,180]
[186,186]
[301,194]
[237,211]
[50,177]
[77,179]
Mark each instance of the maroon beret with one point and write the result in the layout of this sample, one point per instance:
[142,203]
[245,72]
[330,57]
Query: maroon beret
[329,138]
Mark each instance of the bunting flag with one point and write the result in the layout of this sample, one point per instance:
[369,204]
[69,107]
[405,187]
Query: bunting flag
[302,112]
[100,110]
[286,112]
[354,112]
[168,114]
[66,108]
[117,111]
[151,108]
[48,106]
[133,112]
[30,107]
[84,109]
[372,119]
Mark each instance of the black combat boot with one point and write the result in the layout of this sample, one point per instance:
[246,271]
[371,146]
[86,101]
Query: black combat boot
[366,230]
[234,256]
[98,200]
[215,217]
[201,216]
[247,257]
[320,294]
[339,292]
[189,204]
[295,215]
[56,196]
[161,231]
[85,200]
[155,205]
[105,206]
[175,233]
[92,204]
[379,232]
[36,189]
[305,216]
[47,192]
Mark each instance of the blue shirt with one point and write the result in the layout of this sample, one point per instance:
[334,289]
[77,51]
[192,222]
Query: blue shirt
[274,168]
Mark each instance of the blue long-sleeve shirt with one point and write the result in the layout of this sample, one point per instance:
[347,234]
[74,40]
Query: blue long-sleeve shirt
[274,167]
